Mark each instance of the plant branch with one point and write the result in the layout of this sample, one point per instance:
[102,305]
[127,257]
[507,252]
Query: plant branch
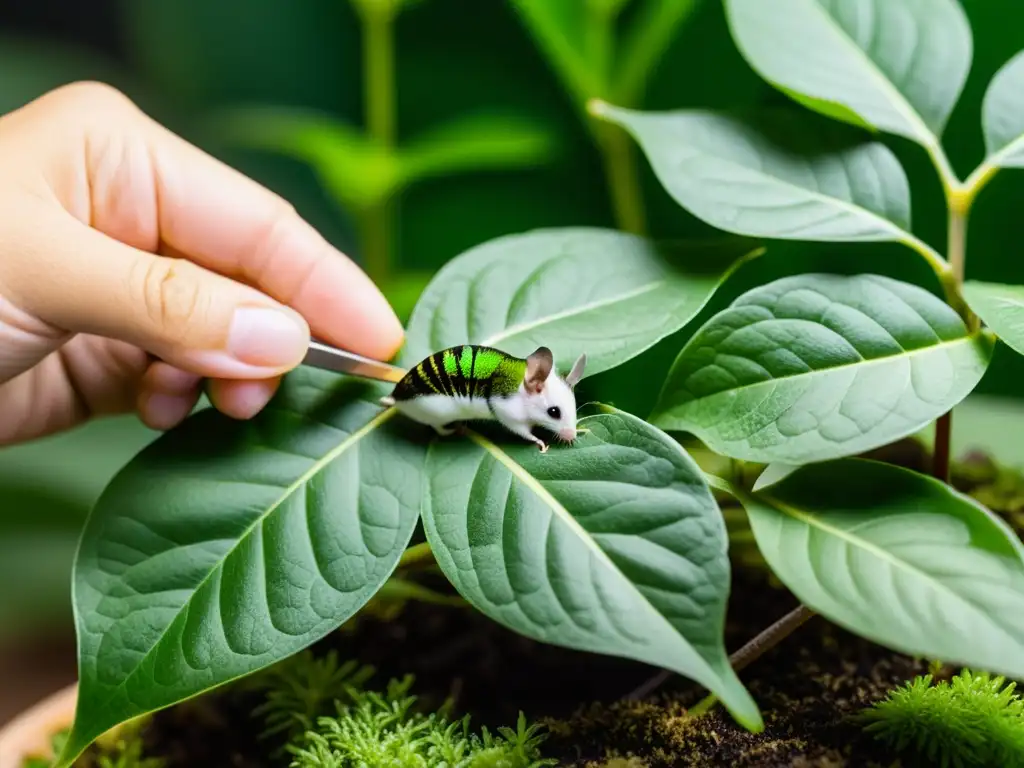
[646,43]
[416,555]
[379,104]
[622,177]
[749,653]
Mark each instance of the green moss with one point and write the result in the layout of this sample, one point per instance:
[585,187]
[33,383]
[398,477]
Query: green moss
[971,720]
[385,729]
[302,688]
[124,749]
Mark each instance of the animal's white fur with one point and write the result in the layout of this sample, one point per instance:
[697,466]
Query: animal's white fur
[519,412]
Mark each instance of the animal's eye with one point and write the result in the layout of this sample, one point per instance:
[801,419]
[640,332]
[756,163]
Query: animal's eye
[555,412]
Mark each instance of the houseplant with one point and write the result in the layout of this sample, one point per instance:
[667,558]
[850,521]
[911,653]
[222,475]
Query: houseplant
[617,545]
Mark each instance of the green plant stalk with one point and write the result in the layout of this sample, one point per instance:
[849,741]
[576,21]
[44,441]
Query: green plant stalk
[376,220]
[416,555]
[622,177]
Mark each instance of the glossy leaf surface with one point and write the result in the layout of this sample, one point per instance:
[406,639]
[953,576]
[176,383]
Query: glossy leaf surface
[898,558]
[775,176]
[816,367]
[1002,115]
[896,65]
[225,546]
[608,294]
[614,545]
[1002,309]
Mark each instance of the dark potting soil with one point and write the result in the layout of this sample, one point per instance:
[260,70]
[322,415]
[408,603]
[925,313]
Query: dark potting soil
[806,687]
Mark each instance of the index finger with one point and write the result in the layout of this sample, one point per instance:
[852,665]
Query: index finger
[226,222]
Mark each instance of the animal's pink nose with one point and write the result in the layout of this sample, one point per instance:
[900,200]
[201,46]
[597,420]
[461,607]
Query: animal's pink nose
[568,434]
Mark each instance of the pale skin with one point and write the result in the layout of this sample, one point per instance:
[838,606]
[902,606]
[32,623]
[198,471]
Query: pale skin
[134,268]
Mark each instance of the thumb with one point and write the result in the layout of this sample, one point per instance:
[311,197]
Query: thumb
[79,280]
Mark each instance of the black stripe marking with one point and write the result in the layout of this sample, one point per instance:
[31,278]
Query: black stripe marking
[437,361]
[472,370]
[431,370]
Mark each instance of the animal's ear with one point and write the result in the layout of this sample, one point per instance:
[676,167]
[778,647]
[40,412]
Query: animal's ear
[538,368]
[577,371]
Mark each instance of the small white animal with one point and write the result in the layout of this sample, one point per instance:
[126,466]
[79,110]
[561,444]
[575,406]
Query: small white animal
[471,382]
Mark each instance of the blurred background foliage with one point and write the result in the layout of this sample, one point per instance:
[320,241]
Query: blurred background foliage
[408,131]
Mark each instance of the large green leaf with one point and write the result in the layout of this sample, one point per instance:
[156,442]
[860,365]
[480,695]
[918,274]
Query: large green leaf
[1002,309]
[1002,116]
[606,293]
[774,176]
[816,367]
[614,545]
[899,558]
[225,546]
[896,65]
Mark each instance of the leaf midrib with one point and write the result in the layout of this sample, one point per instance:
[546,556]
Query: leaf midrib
[562,513]
[530,325]
[822,371]
[896,97]
[902,234]
[815,521]
[317,466]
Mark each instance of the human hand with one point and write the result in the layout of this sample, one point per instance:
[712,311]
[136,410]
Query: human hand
[118,239]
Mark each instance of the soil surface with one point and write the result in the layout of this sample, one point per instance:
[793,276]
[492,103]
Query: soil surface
[805,687]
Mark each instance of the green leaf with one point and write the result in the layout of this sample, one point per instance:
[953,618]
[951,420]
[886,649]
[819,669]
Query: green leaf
[1001,307]
[606,293]
[225,546]
[817,367]
[774,176]
[899,558]
[1002,116]
[898,66]
[473,143]
[614,545]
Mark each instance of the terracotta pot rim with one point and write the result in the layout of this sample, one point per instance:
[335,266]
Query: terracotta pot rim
[28,735]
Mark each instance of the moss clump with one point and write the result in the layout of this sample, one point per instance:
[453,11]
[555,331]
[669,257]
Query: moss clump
[384,729]
[971,720]
[123,748]
[302,688]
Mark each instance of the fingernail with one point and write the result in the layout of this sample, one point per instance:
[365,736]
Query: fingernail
[266,337]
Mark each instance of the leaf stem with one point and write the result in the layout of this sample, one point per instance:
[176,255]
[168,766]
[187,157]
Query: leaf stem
[622,177]
[379,105]
[416,555]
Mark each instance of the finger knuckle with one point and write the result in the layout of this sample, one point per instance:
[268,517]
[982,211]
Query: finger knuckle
[171,293]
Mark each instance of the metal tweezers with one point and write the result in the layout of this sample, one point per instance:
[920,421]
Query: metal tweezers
[330,358]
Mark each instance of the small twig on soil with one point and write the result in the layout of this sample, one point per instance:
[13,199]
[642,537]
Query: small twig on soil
[749,653]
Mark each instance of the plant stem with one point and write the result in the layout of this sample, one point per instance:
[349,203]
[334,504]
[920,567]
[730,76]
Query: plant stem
[753,650]
[416,555]
[959,202]
[622,178]
[379,104]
